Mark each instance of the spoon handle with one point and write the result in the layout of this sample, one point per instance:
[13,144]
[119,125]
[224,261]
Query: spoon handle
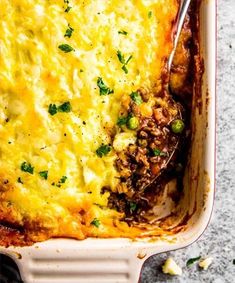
[179,24]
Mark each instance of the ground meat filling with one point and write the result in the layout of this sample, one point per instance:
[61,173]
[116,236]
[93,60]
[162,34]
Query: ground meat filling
[144,162]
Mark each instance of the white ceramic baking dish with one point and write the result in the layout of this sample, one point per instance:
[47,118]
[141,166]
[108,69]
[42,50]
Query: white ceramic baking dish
[120,260]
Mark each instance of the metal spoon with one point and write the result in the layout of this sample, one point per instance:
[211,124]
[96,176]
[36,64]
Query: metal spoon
[184,5]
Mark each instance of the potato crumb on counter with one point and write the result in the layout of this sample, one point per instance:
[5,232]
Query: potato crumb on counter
[205,263]
[171,267]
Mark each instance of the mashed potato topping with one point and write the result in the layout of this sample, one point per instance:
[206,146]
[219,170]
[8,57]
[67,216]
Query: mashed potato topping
[64,68]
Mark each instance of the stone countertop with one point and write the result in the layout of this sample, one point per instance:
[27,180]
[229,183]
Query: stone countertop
[219,239]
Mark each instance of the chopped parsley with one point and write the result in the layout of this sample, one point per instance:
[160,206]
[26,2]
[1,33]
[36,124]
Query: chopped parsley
[69,31]
[103,150]
[122,121]
[104,90]
[19,180]
[123,32]
[44,174]
[192,260]
[150,13]
[133,206]
[95,222]
[63,179]
[64,107]
[122,60]
[26,167]
[68,8]
[121,57]
[52,109]
[136,97]
[66,48]
[158,152]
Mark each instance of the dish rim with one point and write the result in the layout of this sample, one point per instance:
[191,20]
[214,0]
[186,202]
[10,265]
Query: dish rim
[134,248]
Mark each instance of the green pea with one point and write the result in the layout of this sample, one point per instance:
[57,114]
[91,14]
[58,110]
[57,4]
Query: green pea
[133,123]
[177,126]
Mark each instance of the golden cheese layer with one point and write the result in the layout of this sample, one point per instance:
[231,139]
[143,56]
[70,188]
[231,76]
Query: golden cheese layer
[64,67]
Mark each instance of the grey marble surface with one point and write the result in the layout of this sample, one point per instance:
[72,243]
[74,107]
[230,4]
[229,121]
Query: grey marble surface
[219,239]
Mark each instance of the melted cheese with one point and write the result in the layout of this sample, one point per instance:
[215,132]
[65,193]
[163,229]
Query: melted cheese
[35,73]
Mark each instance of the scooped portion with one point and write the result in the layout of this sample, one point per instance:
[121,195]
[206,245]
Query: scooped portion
[157,138]
[153,126]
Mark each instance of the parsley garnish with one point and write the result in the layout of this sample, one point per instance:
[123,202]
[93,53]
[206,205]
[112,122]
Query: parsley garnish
[136,97]
[69,31]
[19,180]
[150,13]
[133,206]
[122,60]
[26,167]
[192,260]
[65,107]
[104,90]
[66,48]
[123,32]
[121,57]
[63,179]
[95,222]
[52,109]
[123,120]
[103,150]
[68,8]
[158,152]
[43,174]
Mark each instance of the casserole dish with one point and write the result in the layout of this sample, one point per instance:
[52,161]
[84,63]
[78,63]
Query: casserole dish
[120,260]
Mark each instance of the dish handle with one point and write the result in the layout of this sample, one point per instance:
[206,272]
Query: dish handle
[85,266]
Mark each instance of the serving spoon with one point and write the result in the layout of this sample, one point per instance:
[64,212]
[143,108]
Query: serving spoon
[184,5]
